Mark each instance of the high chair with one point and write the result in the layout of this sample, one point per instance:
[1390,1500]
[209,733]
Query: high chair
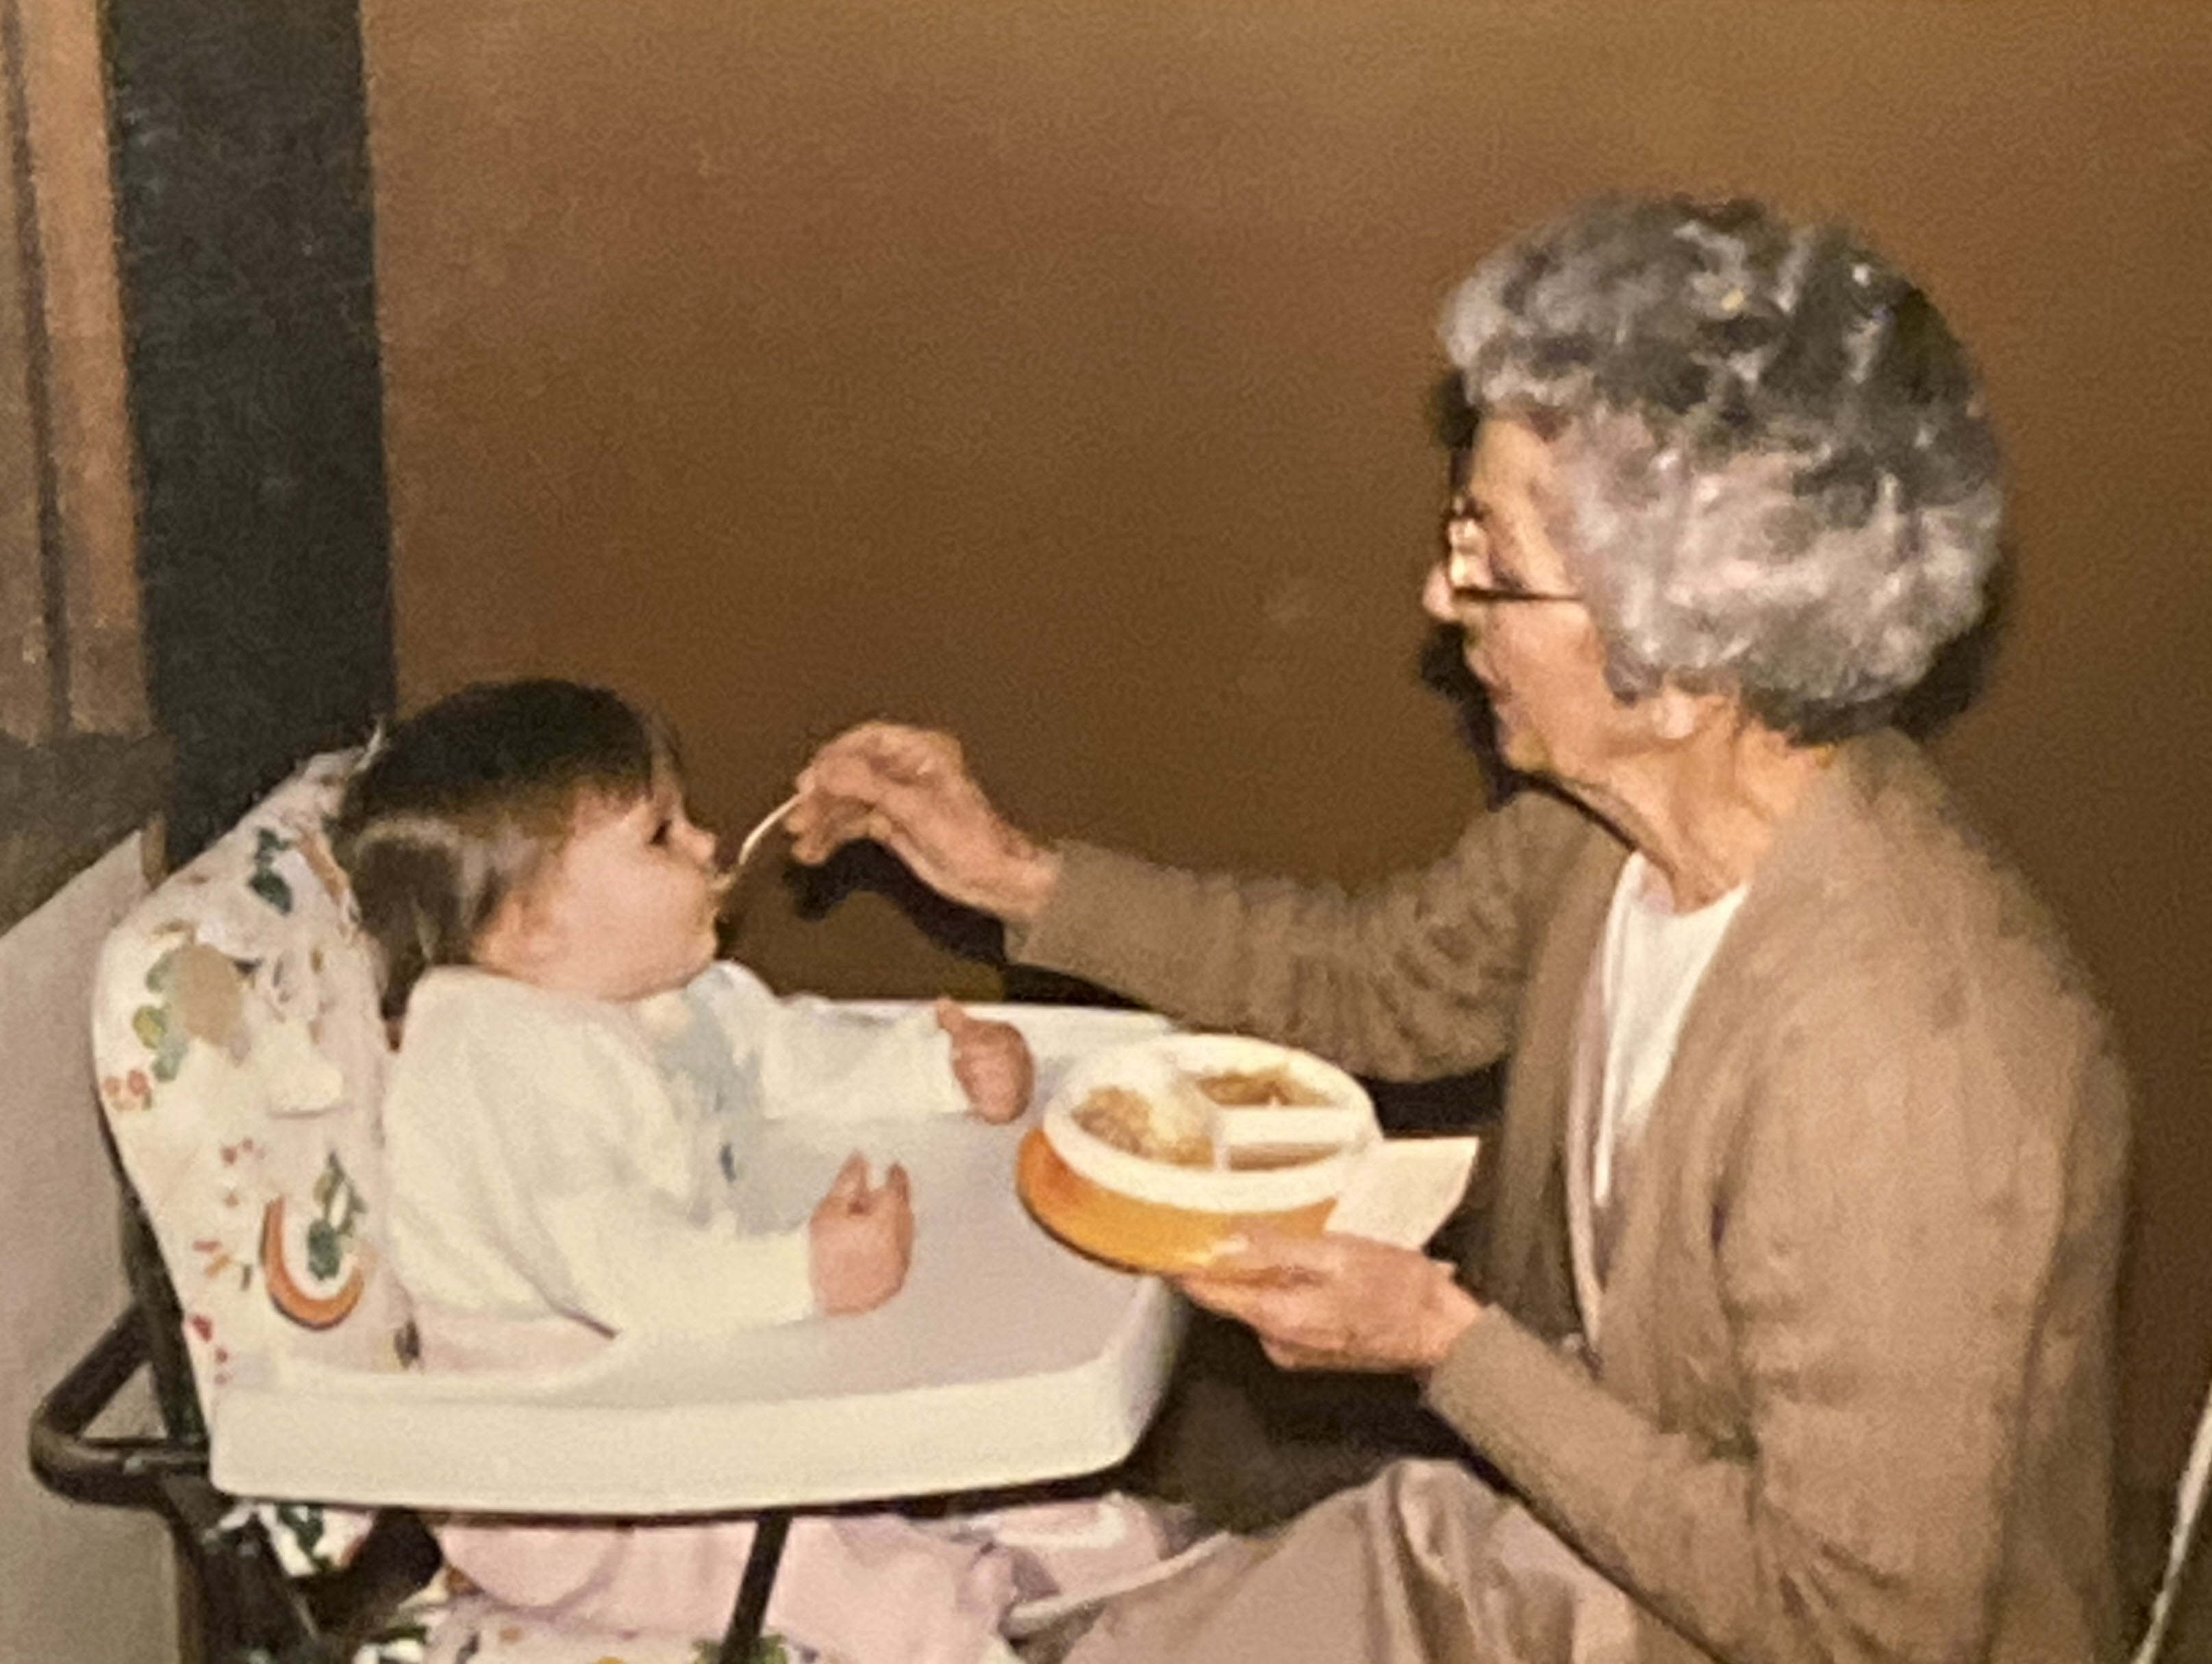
[240,1056]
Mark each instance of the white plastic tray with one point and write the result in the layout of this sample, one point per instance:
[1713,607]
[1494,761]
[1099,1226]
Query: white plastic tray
[1005,1360]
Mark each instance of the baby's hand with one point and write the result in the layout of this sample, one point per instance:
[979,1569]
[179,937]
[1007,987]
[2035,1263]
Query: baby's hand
[861,1238]
[991,1061]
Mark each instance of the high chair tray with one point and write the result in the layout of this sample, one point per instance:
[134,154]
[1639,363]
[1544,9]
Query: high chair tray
[1006,1360]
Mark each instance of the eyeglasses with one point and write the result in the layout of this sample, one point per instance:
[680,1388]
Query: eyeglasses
[1462,526]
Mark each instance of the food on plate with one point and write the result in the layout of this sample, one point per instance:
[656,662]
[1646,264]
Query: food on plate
[1274,1087]
[1129,1121]
[1178,1133]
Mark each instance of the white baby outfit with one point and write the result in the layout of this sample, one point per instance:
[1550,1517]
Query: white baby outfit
[564,1169]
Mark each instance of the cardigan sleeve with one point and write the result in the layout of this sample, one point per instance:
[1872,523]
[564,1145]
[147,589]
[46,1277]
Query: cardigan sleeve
[821,1059]
[1897,1215]
[536,1165]
[1417,976]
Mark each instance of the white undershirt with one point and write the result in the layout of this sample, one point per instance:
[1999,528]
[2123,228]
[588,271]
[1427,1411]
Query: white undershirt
[1654,958]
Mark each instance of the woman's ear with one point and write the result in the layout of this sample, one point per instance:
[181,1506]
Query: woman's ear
[1676,713]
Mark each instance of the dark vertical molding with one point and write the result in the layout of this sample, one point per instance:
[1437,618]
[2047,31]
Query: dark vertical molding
[244,211]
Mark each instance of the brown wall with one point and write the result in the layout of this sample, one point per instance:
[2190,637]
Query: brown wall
[1059,373]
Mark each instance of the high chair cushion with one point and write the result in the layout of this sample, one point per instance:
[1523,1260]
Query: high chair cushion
[241,1057]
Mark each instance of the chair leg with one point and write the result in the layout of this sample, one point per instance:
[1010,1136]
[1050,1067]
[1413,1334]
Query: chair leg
[243,1607]
[749,1616]
[191,1605]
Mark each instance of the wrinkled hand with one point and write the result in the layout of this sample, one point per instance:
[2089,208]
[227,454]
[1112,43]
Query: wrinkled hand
[1339,1302]
[910,789]
[861,1238]
[991,1061]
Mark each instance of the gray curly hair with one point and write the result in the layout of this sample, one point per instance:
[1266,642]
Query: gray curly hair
[1775,476]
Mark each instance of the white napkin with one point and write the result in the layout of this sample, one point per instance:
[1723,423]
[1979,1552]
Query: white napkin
[1402,1189]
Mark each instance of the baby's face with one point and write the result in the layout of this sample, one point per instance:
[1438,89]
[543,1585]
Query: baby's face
[627,908]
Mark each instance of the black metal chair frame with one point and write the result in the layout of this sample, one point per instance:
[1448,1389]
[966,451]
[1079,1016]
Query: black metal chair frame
[246,1605]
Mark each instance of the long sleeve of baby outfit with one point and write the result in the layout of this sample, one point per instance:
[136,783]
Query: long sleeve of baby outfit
[540,1170]
[820,1059]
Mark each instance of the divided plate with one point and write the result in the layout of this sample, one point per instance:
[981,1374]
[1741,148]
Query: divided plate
[1279,1165]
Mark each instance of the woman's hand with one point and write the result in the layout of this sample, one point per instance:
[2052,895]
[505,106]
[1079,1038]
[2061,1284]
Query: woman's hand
[861,1238]
[1339,1302]
[910,789]
[991,1061]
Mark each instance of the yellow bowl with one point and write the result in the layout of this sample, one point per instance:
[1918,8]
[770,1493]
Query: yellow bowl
[1141,1236]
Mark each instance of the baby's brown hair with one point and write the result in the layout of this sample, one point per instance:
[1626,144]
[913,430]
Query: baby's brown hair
[462,804]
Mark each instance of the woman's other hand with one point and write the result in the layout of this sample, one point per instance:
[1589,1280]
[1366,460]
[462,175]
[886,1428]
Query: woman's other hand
[991,1061]
[910,789]
[1339,1302]
[861,1238]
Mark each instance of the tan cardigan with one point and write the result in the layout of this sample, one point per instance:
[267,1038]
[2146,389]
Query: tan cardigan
[1854,1400]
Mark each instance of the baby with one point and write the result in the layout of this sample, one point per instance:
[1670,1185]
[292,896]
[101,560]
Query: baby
[578,1092]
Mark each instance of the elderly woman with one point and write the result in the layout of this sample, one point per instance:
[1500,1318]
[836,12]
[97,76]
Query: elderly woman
[1791,1335]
